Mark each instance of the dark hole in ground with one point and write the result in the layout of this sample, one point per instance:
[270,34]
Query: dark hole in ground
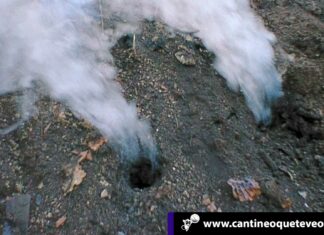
[126,41]
[142,174]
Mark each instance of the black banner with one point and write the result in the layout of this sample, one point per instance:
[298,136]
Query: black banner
[210,223]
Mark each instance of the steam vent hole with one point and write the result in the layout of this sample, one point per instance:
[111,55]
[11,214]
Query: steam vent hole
[142,174]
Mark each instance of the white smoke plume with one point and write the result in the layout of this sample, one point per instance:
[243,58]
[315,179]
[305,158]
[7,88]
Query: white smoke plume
[231,30]
[59,44]
[62,45]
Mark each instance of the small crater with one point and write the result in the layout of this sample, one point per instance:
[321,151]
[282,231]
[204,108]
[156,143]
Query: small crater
[142,174]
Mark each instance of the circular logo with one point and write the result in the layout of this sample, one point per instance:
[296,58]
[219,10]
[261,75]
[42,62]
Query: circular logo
[194,218]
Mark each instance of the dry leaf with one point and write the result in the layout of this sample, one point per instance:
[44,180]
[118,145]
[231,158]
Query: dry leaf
[206,200]
[211,207]
[56,110]
[60,222]
[245,190]
[209,203]
[75,171]
[78,175]
[95,145]
[85,155]
[46,128]
[62,116]
[87,125]
[286,204]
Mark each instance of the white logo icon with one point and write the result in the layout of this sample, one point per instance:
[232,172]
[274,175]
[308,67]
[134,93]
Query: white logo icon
[194,218]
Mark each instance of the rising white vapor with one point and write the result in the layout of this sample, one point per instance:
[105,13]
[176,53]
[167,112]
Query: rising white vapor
[60,44]
[230,29]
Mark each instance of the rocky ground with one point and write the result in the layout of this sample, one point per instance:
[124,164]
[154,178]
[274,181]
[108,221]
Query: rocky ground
[205,134]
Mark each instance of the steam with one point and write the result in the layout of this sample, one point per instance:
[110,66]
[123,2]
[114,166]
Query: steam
[230,29]
[61,44]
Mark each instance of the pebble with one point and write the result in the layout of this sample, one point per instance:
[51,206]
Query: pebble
[104,194]
[185,58]
[38,200]
[49,215]
[303,194]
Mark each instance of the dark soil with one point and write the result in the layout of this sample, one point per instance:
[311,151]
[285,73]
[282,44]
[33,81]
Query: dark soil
[205,134]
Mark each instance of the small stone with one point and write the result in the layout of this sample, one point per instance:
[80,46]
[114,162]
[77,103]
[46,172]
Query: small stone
[153,207]
[104,183]
[18,208]
[303,194]
[19,187]
[318,157]
[41,185]
[104,194]
[186,194]
[185,58]
[49,215]
[38,199]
